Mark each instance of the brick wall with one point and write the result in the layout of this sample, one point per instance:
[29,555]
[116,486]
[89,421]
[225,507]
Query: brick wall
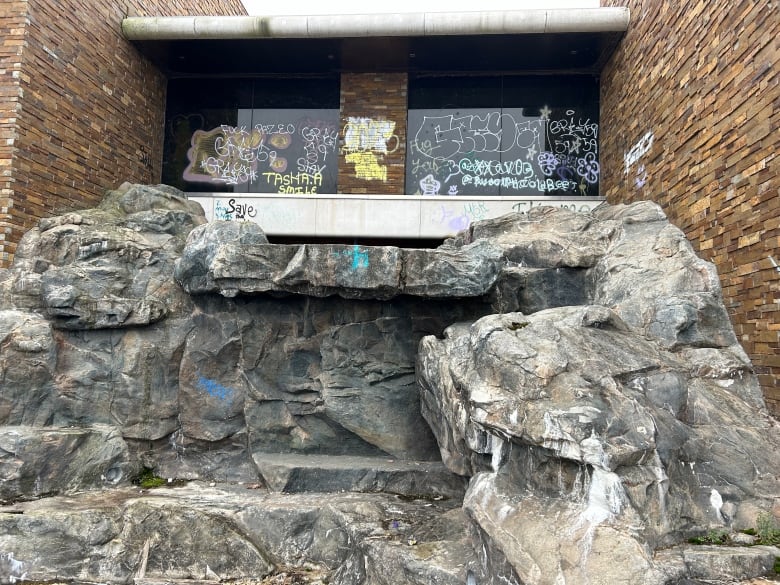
[87,108]
[373,136]
[13,24]
[690,119]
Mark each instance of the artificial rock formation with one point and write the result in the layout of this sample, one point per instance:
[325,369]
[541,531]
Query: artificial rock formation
[571,379]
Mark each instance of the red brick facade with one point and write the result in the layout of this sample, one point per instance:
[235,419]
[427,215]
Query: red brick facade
[76,117]
[690,113]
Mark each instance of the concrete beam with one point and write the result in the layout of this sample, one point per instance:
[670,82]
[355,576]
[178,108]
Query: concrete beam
[418,24]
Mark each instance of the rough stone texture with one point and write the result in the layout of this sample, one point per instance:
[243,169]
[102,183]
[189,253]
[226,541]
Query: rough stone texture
[108,267]
[38,461]
[196,532]
[620,427]
[211,264]
[343,473]
[202,383]
[602,415]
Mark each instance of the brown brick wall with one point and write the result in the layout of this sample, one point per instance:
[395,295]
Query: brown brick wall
[88,108]
[13,26]
[692,99]
[373,134]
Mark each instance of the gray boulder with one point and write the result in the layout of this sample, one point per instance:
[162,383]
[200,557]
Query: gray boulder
[212,264]
[206,246]
[607,439]
[107,267]
[36,462]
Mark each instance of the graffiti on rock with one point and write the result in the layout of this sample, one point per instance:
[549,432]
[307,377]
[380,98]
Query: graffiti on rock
[358,258]
[214,389]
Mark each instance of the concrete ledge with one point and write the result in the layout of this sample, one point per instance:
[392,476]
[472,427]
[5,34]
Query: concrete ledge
[371,216]
[605,19]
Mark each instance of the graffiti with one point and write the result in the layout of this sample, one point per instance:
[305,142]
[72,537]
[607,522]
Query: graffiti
[231,154]
[460,220]
[523,206]
[358,257]
[367,134]
[453,135]
[588,168]
[294,183]
[638,150]
[429,185]
[450,218]
[241,210]
[259,211]
[365,140]
[214,389]
[485,152]
[537,184]
[496,168]
[317,143]
[568,126]
[367,166]
[240,156]
[221,211]
[641,177]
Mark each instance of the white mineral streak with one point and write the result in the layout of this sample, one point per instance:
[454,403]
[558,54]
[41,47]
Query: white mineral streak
[497,450]
[606,495]
[11,569]
[716,501]
[558,440]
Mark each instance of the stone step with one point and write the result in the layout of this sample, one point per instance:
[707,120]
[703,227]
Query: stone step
[164,581]
[289,473]
[198,534]
[726,563]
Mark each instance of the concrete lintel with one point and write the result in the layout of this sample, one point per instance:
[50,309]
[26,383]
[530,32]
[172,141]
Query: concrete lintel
[374,216]
[605,19]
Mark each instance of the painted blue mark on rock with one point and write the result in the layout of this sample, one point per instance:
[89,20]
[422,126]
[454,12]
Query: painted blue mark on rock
[359,257]
[215,389]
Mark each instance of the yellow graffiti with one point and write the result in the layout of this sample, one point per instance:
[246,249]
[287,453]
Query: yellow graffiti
[367,166]
[365,139]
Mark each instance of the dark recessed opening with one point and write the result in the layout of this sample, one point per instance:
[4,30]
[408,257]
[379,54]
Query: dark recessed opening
[396,242]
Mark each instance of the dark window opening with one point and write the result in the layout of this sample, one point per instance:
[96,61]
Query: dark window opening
[503,135]
[362,241]
[264,135]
